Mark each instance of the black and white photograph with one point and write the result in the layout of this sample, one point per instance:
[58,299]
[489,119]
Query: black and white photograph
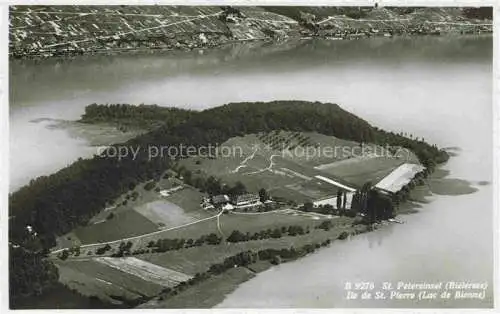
[249,156]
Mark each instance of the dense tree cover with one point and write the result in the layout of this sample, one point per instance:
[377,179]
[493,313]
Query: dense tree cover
[146,116]
[59,296]
[29,273]
[375,206]
[428,155]
[379,206]
[263,195]
[243,118]
[55,204]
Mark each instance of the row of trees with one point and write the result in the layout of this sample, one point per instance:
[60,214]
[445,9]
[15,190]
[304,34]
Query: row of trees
[158,246]
[280,140]
[164,245]
[245,259]
[295,230]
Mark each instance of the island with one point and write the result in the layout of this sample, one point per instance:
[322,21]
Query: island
[201,201]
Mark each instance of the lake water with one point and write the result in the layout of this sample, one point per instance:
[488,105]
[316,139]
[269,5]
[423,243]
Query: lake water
[434,87]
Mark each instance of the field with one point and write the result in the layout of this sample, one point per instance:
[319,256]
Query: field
[93,278]
[325,149]
[167,214]
[146,213]
[228,222]
[198,259]
[193,231]
[122,225]
[358,171]
[125,202]
[146,274]
[205,294]
[287,163]
[256,222]
[144,270]
[189,200]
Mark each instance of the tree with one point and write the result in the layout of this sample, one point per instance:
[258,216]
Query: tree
[356,201]
[236,236]
[64,255]
[149,186]
[308,206]
[276,260]
[213,239]
[379,207]
[238,189]
[213,186]
[339,199]
[263,195]
[343,235]
[328,209]
[365,189]
[325,225]
[276,233]
[344,200]
[188,176]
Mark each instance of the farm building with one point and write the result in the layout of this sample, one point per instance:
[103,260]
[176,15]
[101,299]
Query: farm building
[220,200]
[207,206]
[246,199]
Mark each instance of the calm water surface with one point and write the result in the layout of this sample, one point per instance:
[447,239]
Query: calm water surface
[436,88]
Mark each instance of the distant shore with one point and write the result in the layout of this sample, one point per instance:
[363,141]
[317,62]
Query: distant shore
[159,50]
[209,27]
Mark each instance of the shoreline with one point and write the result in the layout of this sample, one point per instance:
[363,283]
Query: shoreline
[198,296]
[69,55]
